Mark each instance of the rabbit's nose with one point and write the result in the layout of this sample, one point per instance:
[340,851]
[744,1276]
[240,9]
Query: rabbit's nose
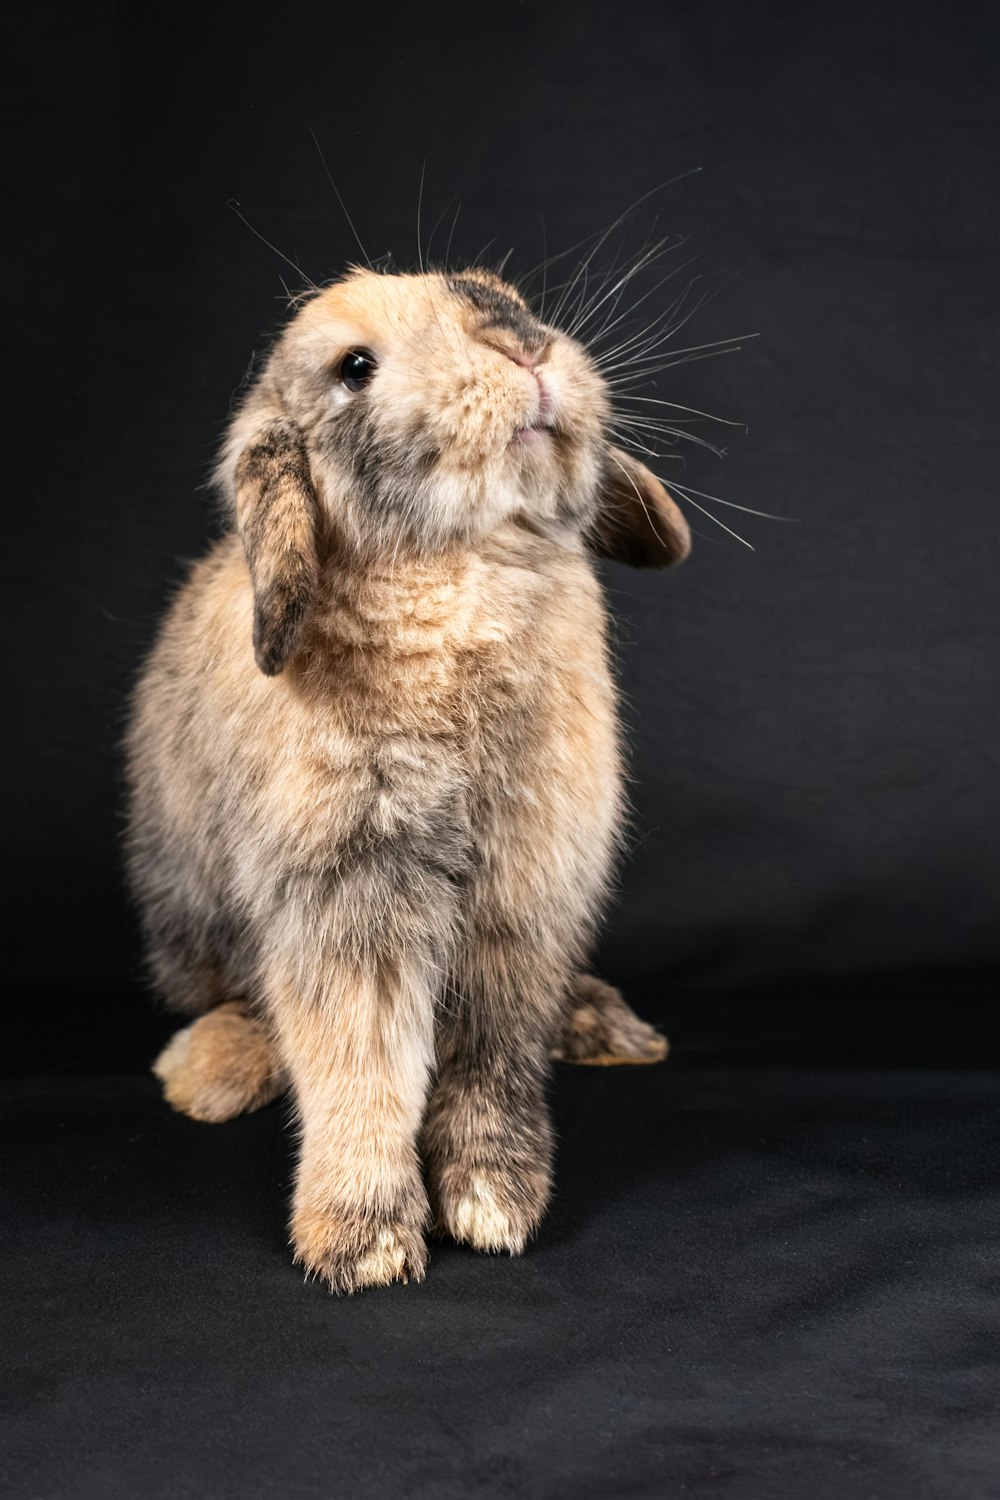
[520,357]
[515,349]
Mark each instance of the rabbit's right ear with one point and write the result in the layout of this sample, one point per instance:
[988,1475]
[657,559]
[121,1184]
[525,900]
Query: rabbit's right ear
[277,519]
[637,522]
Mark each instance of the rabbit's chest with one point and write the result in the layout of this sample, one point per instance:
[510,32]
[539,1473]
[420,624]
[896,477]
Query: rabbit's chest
[510,746]
[544,769]
[477,669]
[479,710]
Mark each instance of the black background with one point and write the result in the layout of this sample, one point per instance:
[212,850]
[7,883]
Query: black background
[814,868]
[813,723]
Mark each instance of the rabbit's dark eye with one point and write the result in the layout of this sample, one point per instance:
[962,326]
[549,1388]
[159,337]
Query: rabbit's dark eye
[357,368]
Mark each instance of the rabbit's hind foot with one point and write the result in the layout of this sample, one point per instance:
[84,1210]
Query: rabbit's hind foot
[221,1066]
[600,1030]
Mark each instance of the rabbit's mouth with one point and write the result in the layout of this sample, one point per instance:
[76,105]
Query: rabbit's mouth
[542,423]
[533,435]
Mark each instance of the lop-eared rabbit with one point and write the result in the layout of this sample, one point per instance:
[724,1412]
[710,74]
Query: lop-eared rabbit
[375,768]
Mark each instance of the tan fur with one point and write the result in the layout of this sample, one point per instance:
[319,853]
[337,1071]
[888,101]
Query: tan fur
[394,829]
[225,1063]
[222,1065]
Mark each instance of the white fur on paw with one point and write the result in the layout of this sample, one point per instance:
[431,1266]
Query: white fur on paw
[477,1218]
[185,1089]
[350,1254]
[384,1263]
[174,1056]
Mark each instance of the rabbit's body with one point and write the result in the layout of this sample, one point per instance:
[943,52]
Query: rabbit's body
[394,839]
[447,737]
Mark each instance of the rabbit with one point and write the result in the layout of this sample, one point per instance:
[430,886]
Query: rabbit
[375,783]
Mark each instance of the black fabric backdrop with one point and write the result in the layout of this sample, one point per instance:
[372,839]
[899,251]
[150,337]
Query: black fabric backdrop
[771,1265]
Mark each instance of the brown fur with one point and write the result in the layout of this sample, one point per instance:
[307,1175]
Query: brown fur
[374,764]
[602,1031]
[226,1064]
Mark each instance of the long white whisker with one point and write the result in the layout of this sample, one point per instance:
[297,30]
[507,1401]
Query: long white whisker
[650,330]
[663,248]
[646,255]
[451,233]
[570,250]
[584,265]
[639,364]
[437,226]
[656,335]
[233,204]
[340,200]
[541,309]
[628,440]
[420,202]
[658,401]
[678,303]
[708,513]
[668,364]
[664,434]
[768,516]
[638,495]
[640,254]
[484,250]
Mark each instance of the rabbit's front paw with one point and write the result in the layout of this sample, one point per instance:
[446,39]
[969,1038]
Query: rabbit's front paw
[352,1252]
[491,1207]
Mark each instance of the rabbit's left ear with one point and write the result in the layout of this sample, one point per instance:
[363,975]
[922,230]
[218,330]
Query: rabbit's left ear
[277,519]
[637,522]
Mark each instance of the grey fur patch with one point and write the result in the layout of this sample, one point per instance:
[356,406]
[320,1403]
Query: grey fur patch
[501,311]
[277,515]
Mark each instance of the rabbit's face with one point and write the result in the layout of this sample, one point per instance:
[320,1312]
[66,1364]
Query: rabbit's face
[434,407]
[414,414]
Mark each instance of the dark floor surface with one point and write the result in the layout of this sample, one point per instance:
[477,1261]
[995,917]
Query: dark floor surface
[771,1270]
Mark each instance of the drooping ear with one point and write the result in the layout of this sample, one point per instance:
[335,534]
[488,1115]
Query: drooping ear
[637,522]
[277,520]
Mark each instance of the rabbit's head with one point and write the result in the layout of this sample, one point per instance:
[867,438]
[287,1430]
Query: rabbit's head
[414,414]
